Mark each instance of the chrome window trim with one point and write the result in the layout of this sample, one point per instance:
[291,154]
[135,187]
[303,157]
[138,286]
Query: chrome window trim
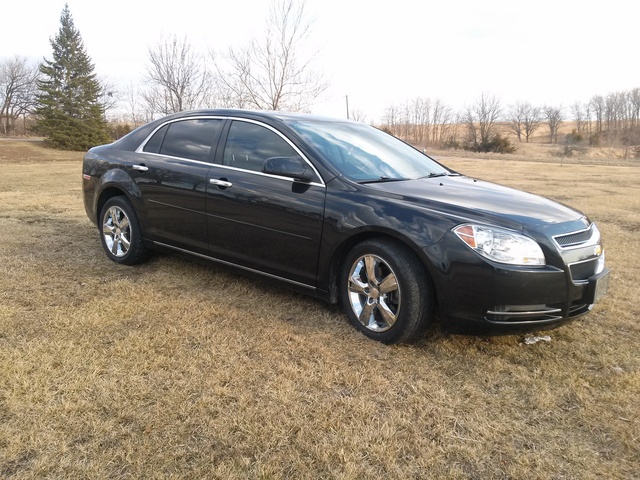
[279,177]
[140,149]
[277,132]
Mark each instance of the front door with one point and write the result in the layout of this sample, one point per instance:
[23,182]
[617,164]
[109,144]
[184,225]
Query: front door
[263,222]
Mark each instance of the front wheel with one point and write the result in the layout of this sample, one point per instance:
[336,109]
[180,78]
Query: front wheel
[120,232]
[385,291]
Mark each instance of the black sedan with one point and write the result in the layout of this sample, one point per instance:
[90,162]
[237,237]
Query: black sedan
[348,213]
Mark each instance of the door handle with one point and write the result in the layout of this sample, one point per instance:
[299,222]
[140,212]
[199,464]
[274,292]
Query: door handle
[140,168]
[220,183]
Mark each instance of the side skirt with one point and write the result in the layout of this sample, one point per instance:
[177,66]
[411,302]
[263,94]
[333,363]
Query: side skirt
[310,289]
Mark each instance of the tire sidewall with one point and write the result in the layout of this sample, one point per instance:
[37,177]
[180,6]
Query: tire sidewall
[136,250]
[414,310]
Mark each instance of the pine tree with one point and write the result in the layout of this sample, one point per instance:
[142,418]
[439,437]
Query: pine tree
[69,108]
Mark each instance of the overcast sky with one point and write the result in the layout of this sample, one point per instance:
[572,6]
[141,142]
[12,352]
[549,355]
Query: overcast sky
[378,53]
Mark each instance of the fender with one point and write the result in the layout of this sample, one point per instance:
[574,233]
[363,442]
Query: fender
[116,181]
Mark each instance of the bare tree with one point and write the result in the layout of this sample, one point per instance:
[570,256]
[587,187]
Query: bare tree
[611,113]
[271,73]
[110,95]
[554,117]
[422,111]
[357,115]
[588,118]
[176,77]
[18,86]
[516,116]
[422,122]
[614,118]
[579,115]
[133,106]
[446,125]
[532,121]
[597,107]
[390,119]
[634,99]
[228,91]
[481,119]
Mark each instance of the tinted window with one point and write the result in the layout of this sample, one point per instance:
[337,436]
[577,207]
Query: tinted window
[363,153]
[249,145]
[191,139]
[155,142]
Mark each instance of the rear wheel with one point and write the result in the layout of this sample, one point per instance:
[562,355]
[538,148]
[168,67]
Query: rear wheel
[120,232]
[385,291]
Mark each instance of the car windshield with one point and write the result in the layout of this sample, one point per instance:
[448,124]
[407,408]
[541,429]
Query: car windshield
[365,154]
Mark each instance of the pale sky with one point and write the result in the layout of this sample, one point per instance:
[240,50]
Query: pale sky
[378,53]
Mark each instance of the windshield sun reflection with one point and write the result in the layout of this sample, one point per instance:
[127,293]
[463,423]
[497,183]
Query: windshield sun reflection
[365,154]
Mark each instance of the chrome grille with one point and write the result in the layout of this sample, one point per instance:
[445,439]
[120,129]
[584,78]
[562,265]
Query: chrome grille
[575,239]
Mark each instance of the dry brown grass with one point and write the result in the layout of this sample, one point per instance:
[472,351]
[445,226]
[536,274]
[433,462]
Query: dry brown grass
[177,370]
[552,154]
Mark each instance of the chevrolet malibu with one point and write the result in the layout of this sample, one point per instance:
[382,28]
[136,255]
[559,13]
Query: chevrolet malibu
[347,213]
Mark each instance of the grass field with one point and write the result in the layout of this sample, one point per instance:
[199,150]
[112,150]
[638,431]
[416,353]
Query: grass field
[174,369]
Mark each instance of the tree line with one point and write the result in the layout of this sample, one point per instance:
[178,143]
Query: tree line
[269,72]
[610,120]
[70,103]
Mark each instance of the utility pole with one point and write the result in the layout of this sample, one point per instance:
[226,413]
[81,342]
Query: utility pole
[347,99]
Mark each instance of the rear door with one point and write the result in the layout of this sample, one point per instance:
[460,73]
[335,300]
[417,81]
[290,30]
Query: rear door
[263,222]
[172,175]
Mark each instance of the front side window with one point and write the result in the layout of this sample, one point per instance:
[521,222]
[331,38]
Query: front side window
[189,139]
[249,145]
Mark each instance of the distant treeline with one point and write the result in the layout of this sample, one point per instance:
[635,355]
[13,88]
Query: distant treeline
[610,120]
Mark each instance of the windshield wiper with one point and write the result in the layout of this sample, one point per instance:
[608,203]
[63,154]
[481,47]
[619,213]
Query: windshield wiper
[381,180]
[440,174]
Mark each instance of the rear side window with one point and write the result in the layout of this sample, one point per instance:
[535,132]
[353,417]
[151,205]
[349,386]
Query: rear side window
[191,139]
[249,145]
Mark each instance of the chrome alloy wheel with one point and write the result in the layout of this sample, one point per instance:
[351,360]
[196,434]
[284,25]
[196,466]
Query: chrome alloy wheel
[116,231]
[374,293]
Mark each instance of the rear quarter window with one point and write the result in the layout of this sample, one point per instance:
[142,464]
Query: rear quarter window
[155,142]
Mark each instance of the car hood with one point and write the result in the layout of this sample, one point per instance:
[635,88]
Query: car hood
[479,200]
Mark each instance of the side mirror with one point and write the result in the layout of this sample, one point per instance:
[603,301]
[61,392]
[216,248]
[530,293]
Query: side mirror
[293,167]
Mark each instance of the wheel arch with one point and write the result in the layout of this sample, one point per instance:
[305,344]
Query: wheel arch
[343,249]
[116,182]
[106,194]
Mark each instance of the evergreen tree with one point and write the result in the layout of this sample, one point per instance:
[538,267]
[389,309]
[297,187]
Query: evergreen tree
[69,108]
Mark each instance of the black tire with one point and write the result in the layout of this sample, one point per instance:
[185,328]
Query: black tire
[386,292]
[120,232]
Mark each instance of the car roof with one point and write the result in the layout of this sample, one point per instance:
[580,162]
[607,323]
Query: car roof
[133,139]
[265,114]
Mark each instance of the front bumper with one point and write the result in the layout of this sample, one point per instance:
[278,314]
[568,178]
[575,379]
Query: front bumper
[479,296]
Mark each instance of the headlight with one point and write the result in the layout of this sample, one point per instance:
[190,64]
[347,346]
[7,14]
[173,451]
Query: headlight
[500,245]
